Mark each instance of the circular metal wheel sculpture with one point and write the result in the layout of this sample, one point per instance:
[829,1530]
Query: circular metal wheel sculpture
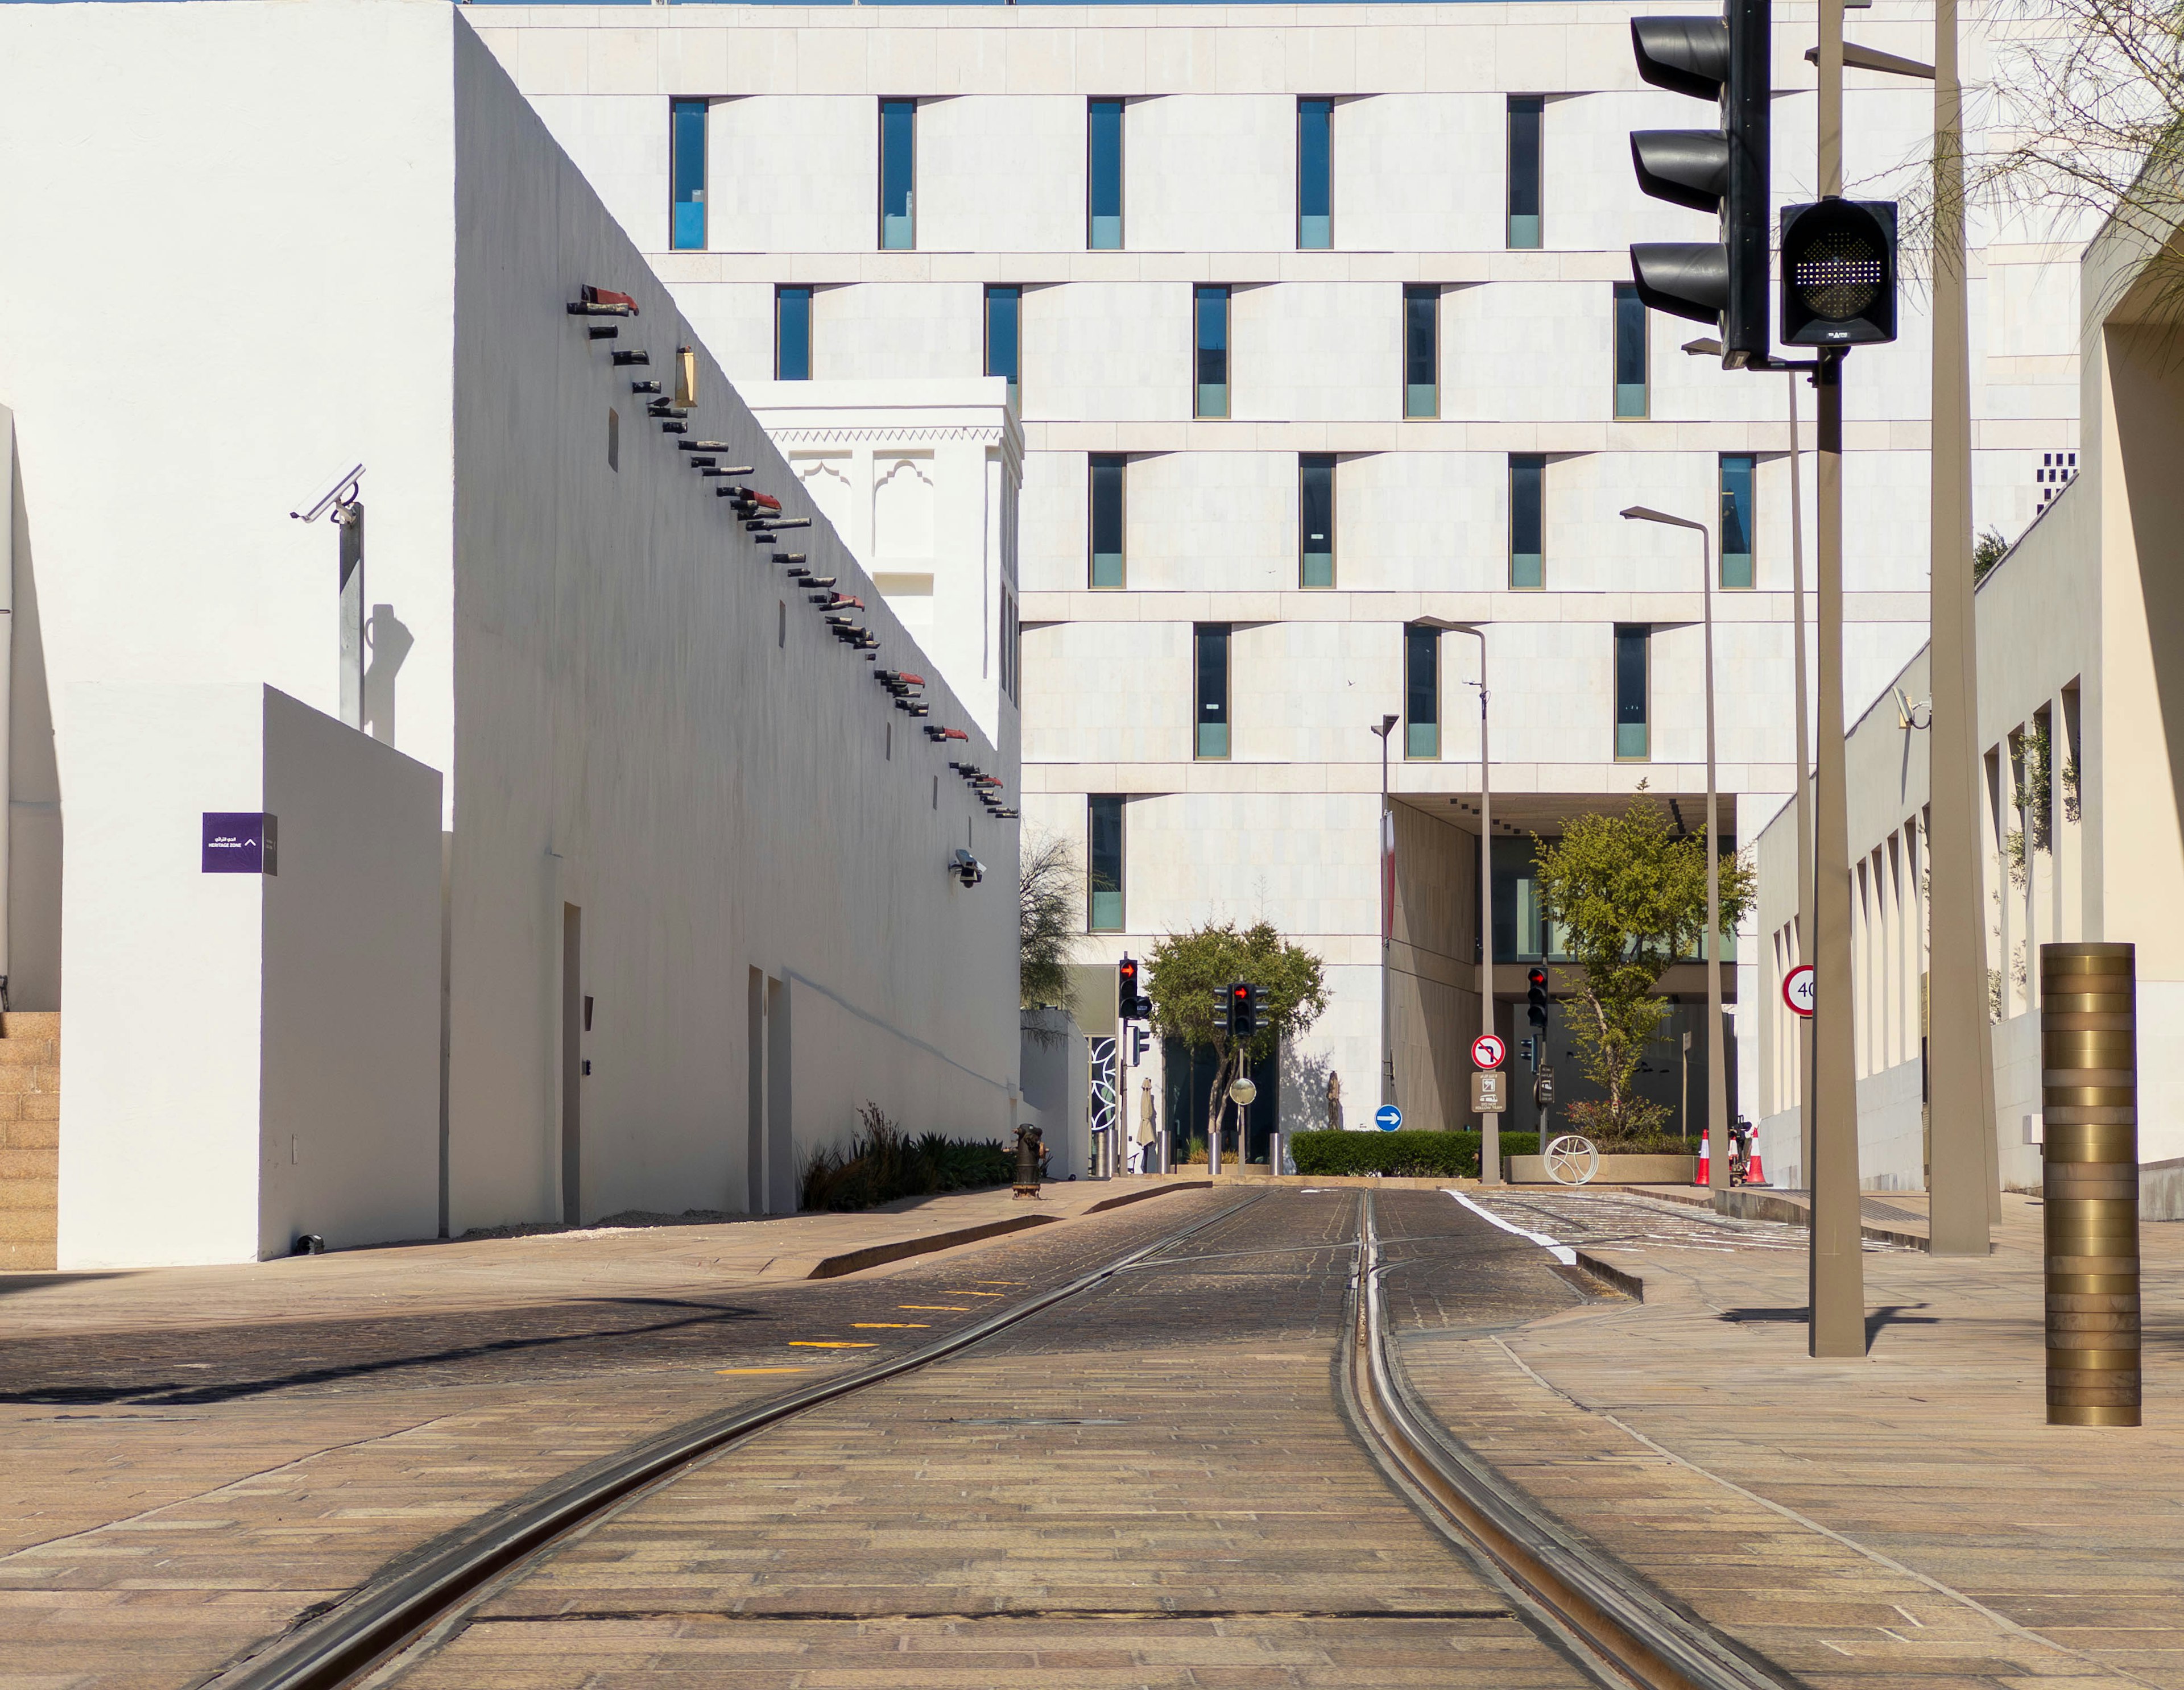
[1572,1160]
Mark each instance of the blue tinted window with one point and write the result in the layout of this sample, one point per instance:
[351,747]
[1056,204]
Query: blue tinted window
[687,172]
[1213,330]
[1108,473]
[1630,378]
[1315,519]
[898,175]
[1103,176]
[1315,173]
[1526,112]
[1212,639]
[792,333]
[1004,313]
[1736,519]
[1630,727]
[1421,691]
[1527,472]
[1422,352]
[1104,856]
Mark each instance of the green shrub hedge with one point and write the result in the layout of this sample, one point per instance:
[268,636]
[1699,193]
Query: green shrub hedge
[1404,1155]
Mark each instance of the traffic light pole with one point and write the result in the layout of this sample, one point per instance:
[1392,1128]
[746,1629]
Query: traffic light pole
[1961,1181]
[1490,1123]
[1802,1028]
[1836,1272]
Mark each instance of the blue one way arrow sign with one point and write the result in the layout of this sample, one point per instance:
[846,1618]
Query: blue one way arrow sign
[1387,1117]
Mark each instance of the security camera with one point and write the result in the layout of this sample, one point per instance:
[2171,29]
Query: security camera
[967,868]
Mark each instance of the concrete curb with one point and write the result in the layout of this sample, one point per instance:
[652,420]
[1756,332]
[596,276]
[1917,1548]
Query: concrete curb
[1607,1273]
[879,1255]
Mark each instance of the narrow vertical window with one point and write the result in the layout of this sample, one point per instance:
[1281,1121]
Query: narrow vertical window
[1315,174]
[1004,351]
[1108,475]
[1736,519]
[1421,691]
[1525,111]
[1103,176]
[1212,639]
[898,175]
[614,438]
[1315,519]
[792,333]
[1632,743]
[1421,351]
[1104,853]
[1211,313]
[1528,473]
[686,126]
[1631,398]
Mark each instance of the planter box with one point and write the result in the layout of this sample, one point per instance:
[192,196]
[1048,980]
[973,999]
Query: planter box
[1614,1170]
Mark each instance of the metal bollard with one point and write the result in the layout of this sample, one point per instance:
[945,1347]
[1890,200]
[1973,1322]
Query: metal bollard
[1274,1154]
[2089,1095]
[1213,1153]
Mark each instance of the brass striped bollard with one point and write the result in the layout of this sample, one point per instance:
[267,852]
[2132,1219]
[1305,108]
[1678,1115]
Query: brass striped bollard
[2089,1094]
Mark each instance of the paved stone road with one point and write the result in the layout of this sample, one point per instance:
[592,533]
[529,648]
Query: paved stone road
[1149,1485]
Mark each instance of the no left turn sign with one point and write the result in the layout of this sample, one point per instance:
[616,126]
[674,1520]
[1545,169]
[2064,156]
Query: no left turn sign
[1487,1051]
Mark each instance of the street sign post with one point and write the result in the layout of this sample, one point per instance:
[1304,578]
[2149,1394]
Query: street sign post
[1387,1117]
[1798,989]
[1487,1051]
[1487,1096]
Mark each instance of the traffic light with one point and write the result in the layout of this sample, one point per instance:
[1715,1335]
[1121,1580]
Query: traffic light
[1131,1004]
[1724,171]
[1536,997]
[1243,1019]
[1839,273]
[1258,1008]
[1140,1039]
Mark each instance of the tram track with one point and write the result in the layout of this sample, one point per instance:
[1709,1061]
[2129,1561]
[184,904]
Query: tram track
[1590,1613]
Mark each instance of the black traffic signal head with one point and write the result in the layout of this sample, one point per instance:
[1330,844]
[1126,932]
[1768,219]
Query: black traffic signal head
[1242,1022]
[1126,988]
[1535,996]
[1723,169]
[1839,273]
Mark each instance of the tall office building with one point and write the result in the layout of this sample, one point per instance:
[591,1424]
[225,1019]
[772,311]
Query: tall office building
[1319,324]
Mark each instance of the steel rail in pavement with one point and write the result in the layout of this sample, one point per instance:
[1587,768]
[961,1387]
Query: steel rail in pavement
[387,1614]
[1620,1628]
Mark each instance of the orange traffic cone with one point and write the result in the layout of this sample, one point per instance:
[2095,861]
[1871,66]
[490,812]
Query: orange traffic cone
[1757,1174]
[1704,1175]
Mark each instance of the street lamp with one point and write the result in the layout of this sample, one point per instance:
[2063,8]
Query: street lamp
[1387,915]
[1710,349]
[1490,1124]
[1717,1098]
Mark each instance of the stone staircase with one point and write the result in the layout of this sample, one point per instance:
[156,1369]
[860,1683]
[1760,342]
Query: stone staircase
[29,1139]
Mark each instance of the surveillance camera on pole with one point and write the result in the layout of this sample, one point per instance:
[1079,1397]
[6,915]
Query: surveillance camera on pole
[1722,283]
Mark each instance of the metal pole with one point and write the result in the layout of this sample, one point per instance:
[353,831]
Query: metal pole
[1490,1124]
[2089,1163]
[349,524]
[1716,1075]
[1386,844]
[1802,1028]
[1961,1065]
[1837,1271]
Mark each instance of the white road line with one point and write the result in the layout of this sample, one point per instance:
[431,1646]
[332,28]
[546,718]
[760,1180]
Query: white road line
[1561,1253]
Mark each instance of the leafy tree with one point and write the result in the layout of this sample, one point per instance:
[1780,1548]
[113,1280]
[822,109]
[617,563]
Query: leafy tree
[1988,550]
[1192,971]
[1050,893]
[1630,894]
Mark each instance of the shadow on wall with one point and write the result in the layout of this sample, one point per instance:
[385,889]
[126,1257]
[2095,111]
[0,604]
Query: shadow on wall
[33,961]
[1304,1091]
[389,641]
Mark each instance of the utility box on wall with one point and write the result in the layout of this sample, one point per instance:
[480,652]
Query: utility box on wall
[254,1033]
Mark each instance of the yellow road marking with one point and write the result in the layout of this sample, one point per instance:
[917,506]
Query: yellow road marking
[974,1293]
[933,1308]
[889,1326]
[725,1371]
[1000,1281]
[826,1343]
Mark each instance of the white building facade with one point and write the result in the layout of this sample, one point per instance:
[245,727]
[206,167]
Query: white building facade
[629,882]
[1314,319]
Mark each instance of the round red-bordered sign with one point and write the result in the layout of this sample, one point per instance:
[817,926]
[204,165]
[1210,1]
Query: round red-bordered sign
[1487,1051]
[1798,989]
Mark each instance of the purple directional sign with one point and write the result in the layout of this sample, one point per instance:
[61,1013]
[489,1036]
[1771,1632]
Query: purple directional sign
[238,843]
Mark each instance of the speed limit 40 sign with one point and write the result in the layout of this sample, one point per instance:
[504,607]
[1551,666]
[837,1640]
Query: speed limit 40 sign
[1797,989]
